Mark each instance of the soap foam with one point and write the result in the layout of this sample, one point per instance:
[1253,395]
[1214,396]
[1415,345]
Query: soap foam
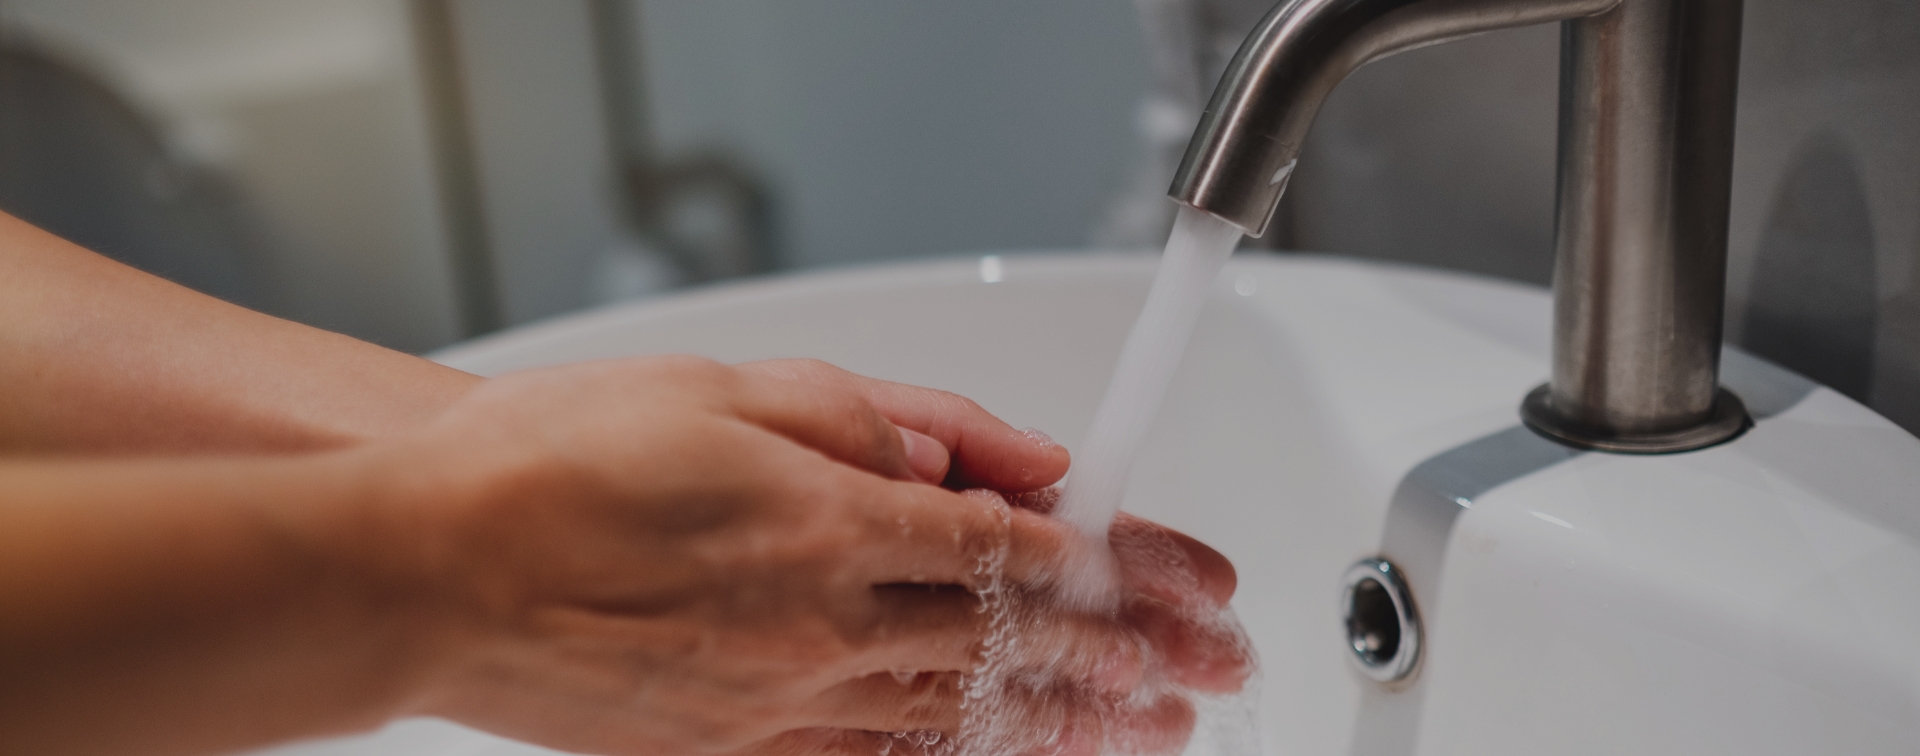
[1015,702]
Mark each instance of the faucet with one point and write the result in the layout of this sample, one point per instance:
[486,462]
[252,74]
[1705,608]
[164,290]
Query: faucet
[1645,175]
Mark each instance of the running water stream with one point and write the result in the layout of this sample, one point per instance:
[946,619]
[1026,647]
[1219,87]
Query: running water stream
[1196,252]
[1002,692]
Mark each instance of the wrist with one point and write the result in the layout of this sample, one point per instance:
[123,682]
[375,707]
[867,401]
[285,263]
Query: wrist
[383,554]
[421,536]
[226,603]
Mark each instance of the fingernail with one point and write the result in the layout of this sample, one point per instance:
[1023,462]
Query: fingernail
[927,458]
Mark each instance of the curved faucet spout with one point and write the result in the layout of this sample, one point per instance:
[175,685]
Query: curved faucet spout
[1243,153]
[1647,90]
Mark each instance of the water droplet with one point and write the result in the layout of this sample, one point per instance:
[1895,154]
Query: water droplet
[1246,285]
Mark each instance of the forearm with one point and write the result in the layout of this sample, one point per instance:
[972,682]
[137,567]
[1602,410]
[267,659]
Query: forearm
[197,606]
[98,357]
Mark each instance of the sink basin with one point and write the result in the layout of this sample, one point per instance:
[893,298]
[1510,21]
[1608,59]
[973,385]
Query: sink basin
[1758,597]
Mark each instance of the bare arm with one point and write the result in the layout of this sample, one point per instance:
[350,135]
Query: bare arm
[192,606]
[97,357]
[654,556]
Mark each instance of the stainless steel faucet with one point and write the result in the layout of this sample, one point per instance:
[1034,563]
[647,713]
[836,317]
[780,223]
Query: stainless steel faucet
[1646,164]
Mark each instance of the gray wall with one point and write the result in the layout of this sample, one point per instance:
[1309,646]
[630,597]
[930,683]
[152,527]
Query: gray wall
[1444,156]
[889,128]
[904,127]
[548,181]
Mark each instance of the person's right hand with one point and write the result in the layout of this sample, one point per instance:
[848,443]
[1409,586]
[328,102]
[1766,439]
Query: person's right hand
[669,555]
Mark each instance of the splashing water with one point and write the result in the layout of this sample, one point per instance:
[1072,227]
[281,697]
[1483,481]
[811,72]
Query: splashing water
[1196,252]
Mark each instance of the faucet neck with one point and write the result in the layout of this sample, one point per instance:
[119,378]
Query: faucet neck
[1249,137]
[1647,95]
[1646,164]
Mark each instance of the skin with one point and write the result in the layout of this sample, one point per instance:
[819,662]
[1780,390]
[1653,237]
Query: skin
[219,530]
[104,359]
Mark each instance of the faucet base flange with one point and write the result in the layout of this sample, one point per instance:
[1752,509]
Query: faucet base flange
[1727,421]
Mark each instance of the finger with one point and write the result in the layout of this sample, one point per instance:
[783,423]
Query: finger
[1170,566]
[1041,501]
[821,741]
[935,630]
[1048,721]
[883,702]
[1210,654]
[1163,726]
[1083,732]
[987,452]
[925,628]
[1013,720]
[926,535]
[927,459]
[827,417]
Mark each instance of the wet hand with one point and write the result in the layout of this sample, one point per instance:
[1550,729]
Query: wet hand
[674,556]
[1172,606]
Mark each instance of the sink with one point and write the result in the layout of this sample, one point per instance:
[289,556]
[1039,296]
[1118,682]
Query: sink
[1757,597]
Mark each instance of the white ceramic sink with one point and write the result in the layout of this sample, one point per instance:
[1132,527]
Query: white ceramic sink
[1760,597]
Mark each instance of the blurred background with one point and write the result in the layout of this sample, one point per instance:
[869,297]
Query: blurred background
[416,172]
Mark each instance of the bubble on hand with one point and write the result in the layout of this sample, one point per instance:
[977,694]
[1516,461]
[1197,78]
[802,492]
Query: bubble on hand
[1015,701]
[915,743]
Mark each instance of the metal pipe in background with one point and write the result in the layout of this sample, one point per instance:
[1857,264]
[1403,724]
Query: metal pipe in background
[659,193]
[470,252]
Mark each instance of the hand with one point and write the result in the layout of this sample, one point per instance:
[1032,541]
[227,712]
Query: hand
[970,448]
[669,555]
[1172,600]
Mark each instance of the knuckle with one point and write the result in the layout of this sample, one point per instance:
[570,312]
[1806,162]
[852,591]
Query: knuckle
[805,369]
[817,366]
[875,432]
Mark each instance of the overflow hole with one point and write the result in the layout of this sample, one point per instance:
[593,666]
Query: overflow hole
[1383,632]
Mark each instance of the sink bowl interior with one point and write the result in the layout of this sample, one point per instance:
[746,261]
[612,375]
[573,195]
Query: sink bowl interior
[1329,411]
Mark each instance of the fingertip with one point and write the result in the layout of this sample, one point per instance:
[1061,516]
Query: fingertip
[1050,460]
[1217,577]
[1171,566]
[1014,461]
[1207,657]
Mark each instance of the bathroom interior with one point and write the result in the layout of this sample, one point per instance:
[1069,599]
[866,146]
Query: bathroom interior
[973,197]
